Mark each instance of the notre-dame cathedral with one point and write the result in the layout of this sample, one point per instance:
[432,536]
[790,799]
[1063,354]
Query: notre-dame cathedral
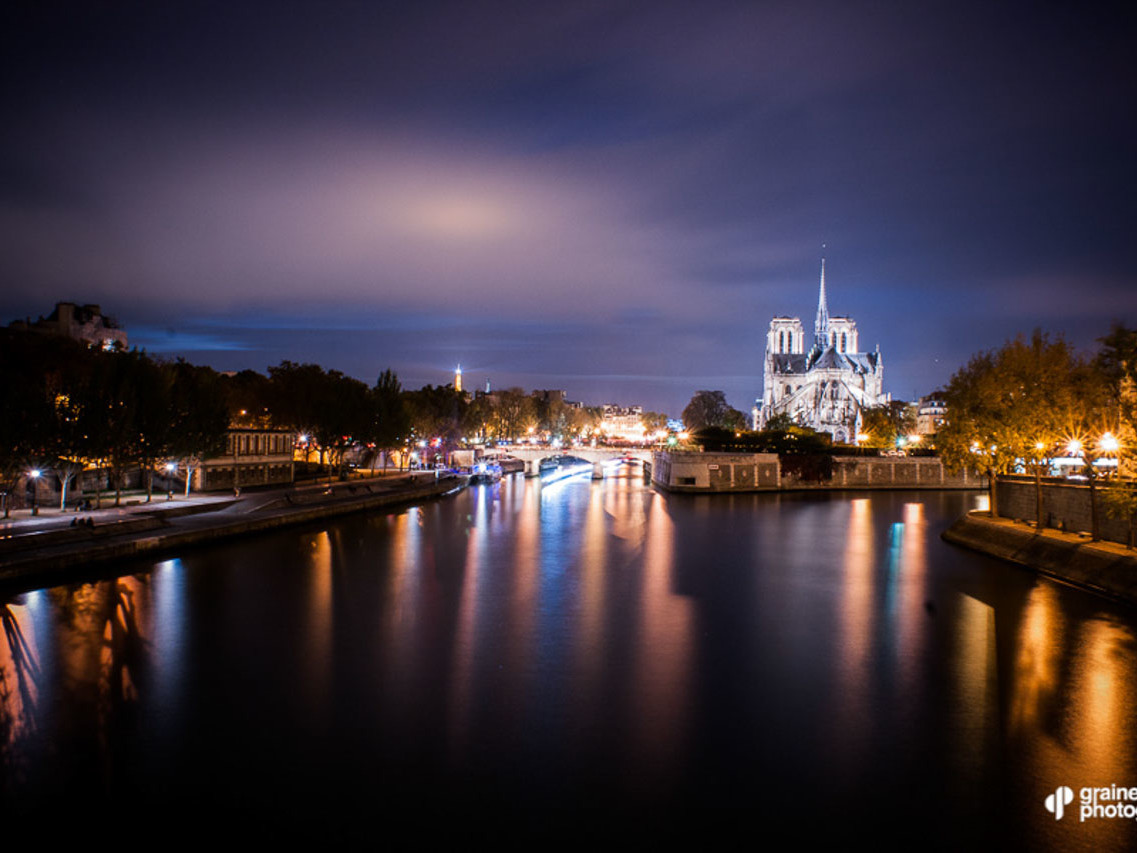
[828,386]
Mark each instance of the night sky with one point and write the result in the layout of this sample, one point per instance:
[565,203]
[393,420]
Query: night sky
[609,198]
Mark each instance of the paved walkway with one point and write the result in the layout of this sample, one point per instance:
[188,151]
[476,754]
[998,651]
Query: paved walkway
[31,554]
[50,517]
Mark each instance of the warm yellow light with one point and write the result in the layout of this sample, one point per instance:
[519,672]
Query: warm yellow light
[1109,443]
[862,436]
[1038,445]
[1074,447]
[914,438]
[683,436]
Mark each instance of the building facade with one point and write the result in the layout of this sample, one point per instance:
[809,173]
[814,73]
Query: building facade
[826,387]
[253,457]
[623,423]
[86,323]
[930,414]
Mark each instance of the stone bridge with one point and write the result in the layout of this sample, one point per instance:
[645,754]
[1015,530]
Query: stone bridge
[600,457]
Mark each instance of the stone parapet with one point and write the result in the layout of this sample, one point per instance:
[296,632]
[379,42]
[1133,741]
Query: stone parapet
[1065,506]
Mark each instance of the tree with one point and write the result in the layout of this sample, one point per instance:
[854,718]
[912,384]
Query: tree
[199,415]
[1117,363]
[516,413]
[297,397]
[781,422]
[390,422]
[1005,403]
[885,423]
[436,414]
[27,415]
[710,409]
[249,399]
[654,421]
[346,415]
[69,390]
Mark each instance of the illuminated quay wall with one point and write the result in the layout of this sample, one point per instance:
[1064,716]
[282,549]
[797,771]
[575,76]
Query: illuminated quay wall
[1065,506]
[694,471]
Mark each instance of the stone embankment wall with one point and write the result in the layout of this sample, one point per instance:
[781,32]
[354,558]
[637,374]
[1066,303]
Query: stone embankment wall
[692,471]
[1097,566]
[682,470]
[1065,506]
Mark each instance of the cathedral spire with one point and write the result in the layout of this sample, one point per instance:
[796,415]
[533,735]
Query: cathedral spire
[821,326]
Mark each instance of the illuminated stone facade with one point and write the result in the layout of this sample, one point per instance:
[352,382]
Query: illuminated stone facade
[827,387]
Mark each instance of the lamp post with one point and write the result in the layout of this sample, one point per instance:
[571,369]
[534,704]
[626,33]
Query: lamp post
[1039,449]
[1075,447]
[34,474]
[171,467]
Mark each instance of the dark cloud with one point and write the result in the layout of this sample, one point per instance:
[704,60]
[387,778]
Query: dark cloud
[615,193]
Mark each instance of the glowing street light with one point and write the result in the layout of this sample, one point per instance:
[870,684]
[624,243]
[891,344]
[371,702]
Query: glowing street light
[35,475]
[1109,443]
[171,467]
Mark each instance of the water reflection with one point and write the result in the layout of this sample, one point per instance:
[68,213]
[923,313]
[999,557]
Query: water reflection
[855,627]
[590,639]
[1038,660]
[660,695]
[19,674]
[73,665]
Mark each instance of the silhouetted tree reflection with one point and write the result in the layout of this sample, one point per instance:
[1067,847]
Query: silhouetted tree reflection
[19,690]
[92,642]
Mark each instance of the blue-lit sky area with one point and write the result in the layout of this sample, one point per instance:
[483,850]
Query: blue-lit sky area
[610,198]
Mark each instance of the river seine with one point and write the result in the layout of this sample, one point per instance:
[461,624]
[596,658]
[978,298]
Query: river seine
[592,659]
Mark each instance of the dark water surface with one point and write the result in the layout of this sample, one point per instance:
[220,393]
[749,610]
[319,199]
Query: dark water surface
[588,657]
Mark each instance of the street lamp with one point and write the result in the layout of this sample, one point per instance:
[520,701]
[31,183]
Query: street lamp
[171,467]
[1109,443]
[1039,451]
[34,474]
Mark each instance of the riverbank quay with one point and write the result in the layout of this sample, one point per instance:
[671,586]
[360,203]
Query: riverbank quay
[1105,568]
[37,549]
[706,472]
